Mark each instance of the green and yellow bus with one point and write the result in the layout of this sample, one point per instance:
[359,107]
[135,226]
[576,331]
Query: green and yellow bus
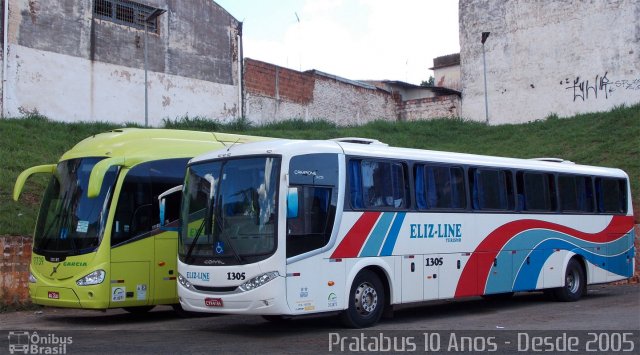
[97,242]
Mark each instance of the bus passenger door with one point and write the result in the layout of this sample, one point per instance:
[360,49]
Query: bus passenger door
[412,278]
[165,268]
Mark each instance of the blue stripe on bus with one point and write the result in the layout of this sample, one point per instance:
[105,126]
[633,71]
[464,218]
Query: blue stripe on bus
[392,236]
[527,277]
[528,240]
[372,246]
[613,257]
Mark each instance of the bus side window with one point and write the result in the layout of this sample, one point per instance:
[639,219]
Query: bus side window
[440,187]
[379,184]
[137,210]
[491,189]
[576,193]
[611,195]
[134,208]
[311,228]
[535,192]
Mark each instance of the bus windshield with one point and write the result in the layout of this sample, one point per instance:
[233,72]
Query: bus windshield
[229,211]
[69,222]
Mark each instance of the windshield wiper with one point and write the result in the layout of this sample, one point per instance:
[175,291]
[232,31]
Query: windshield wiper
[46,237]
[216,221]
[195,239]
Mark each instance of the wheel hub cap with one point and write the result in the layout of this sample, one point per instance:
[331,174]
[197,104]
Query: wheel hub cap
[366,299]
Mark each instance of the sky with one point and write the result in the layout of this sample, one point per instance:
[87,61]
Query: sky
[354,39]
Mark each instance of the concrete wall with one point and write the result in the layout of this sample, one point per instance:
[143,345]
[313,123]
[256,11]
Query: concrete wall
[68,65]
[543,57]
[448,77]
[273,93]
[431,107]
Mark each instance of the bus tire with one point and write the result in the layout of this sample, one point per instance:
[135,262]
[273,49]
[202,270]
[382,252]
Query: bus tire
[138,310]
[575,283]
[366,301]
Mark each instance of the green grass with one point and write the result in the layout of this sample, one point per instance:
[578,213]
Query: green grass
[606,139]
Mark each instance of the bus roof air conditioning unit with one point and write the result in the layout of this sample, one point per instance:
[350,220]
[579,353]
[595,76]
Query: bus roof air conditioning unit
[358,140]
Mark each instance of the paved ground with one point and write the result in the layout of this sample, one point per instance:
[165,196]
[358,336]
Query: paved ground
[608,311]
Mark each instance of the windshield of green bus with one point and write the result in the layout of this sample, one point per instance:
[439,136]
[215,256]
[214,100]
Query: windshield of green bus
[229,211]
[69,222]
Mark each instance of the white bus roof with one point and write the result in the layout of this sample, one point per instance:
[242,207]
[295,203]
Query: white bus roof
[288,147]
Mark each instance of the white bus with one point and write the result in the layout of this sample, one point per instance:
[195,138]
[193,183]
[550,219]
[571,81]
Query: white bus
[289,227]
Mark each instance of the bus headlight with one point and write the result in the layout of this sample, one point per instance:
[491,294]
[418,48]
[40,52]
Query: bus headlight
[32,279]
[93,278]
[184,282]
[259,281]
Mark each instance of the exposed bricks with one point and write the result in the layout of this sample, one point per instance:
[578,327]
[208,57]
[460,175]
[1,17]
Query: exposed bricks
[14,269]
[270,80]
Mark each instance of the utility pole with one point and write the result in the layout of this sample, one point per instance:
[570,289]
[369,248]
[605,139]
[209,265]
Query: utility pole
[150,17]
[485,35]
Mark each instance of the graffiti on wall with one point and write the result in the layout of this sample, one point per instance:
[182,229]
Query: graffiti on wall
[600,87]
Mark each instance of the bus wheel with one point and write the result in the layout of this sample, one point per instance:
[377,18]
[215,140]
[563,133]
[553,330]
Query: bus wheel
[138,310]
[366,301]
[575,283]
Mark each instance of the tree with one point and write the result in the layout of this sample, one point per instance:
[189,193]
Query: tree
[429,82]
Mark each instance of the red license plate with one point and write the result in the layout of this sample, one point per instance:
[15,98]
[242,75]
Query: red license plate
[213,302]
[53,295]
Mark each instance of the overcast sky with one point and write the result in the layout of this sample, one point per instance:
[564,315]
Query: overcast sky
[355,39]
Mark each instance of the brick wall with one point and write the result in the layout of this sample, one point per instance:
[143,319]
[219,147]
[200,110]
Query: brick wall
[14,269]
[273,93]
[276,82]
[439,106]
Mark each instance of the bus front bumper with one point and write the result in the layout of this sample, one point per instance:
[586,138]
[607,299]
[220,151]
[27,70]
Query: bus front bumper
[267,299]
[65,297]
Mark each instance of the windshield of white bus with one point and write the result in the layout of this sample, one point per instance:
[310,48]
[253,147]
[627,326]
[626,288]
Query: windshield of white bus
[69,222]
[229,211]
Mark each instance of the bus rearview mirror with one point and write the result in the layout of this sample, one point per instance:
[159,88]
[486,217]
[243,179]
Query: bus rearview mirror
[292,202]
[162,202]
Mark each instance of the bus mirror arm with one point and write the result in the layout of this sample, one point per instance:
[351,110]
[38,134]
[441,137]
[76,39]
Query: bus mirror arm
[98,172]
[162,205]
[22,178]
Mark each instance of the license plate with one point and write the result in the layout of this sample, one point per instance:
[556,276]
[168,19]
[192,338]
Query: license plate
[213,302]
[53,295]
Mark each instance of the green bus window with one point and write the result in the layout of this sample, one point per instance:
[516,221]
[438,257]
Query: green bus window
[137,210]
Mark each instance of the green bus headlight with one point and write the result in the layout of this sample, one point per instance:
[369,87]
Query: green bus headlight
[93,278]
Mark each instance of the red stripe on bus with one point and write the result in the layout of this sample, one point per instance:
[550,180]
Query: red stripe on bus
[476,271]
[353,241]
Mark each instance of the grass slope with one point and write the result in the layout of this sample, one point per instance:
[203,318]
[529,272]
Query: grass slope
[609,139]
